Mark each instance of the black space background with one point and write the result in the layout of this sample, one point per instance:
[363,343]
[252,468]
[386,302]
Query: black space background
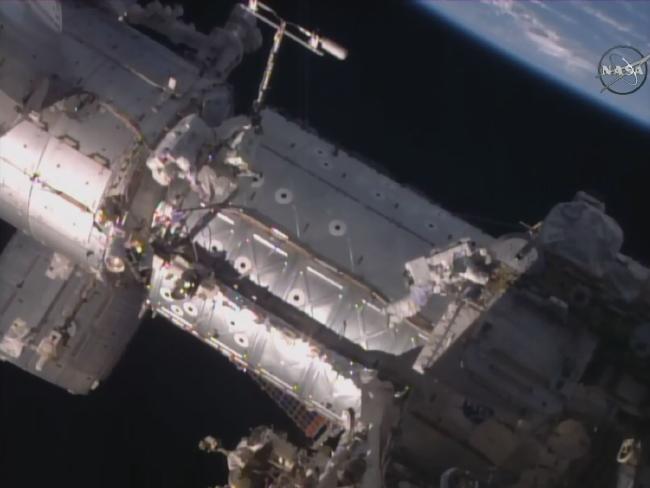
[438,111]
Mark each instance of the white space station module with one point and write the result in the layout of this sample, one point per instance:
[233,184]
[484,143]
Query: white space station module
[414,350]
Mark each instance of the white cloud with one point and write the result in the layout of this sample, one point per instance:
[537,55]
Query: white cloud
[546,39]
[604,18]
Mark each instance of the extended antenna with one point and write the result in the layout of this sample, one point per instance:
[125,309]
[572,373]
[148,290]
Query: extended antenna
[310,40]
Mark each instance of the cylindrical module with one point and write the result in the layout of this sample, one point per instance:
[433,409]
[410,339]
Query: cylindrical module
[52,191]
